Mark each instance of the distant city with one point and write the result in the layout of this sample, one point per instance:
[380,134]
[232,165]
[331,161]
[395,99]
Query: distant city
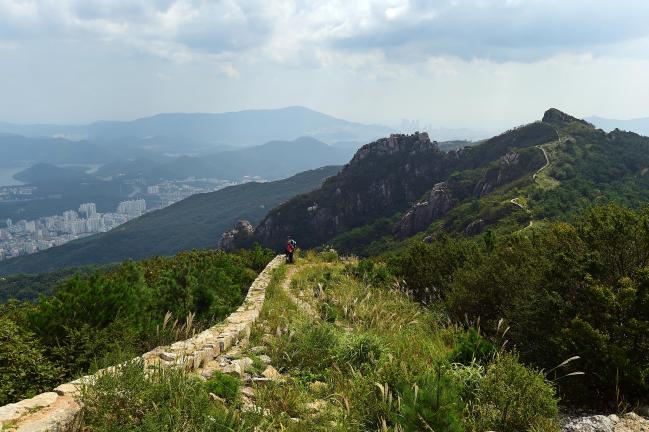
[25,237]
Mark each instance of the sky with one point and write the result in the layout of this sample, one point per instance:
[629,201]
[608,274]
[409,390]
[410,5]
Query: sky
[486,64]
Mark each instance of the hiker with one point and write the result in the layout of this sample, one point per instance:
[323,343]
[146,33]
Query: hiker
[290,249]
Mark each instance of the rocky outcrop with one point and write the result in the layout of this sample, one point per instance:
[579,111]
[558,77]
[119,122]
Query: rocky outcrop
[556,117]
[475,227]
[630,422]
[383,177]
[237,236]
[436,204]
[57,410]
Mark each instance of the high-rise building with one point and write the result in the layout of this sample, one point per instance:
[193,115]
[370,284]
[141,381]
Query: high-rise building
[9,223]
[95,224]
[88,210]
[30,227]
[70,215]
[132,207]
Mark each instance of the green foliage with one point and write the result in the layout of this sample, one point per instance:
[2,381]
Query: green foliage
[223,386]
[24,369]
[109,316]
[432,403]
[471,347]
[426,268]
[30,287]
[162,400]
[360,350]
[312,349]
[513,398]
[566,290]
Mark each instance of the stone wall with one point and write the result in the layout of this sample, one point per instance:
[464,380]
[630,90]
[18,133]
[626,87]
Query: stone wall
[56,410]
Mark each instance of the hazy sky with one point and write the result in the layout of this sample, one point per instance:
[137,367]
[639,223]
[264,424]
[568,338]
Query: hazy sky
[457,63]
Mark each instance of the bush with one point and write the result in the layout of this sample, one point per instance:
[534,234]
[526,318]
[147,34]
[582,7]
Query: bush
[223,386]
[24,369]
[512,398]
[433,403]
[471,347]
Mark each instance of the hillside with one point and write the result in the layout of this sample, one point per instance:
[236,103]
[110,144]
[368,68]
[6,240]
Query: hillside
[17,148]
[43,172]
[196,222]
[397,187]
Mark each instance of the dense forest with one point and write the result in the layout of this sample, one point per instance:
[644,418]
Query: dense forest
[99,319]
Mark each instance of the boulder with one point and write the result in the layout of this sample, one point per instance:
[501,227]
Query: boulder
[271,373]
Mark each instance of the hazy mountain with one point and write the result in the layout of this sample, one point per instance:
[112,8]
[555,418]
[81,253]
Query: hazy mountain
[16,148]
[639,125]
[242,128]
[43,172]
[273,160]
[196,222]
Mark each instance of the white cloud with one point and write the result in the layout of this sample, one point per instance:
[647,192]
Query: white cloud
[483,60]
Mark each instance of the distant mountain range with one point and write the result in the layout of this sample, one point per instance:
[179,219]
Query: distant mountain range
[196,222]
[639,125]
[189,132]
[271,161]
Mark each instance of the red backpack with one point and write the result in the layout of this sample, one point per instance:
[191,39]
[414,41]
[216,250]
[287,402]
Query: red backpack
[289,247]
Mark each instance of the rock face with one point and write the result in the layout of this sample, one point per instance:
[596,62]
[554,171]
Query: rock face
[554,116]
[630,422]
[237,236]
[437,203]
[383,177]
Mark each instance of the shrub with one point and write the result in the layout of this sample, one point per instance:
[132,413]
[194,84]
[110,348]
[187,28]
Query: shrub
[513,398]
[223,386]
[433,403]
[470,346]
[24,369]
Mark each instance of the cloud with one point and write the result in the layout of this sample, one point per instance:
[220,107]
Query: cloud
[498,30]
[303,32]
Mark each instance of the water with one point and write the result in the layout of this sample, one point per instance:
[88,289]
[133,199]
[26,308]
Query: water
[7,173]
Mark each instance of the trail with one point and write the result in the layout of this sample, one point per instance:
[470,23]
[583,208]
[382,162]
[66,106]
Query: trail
[515,202]
[286,286]
[547,161]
